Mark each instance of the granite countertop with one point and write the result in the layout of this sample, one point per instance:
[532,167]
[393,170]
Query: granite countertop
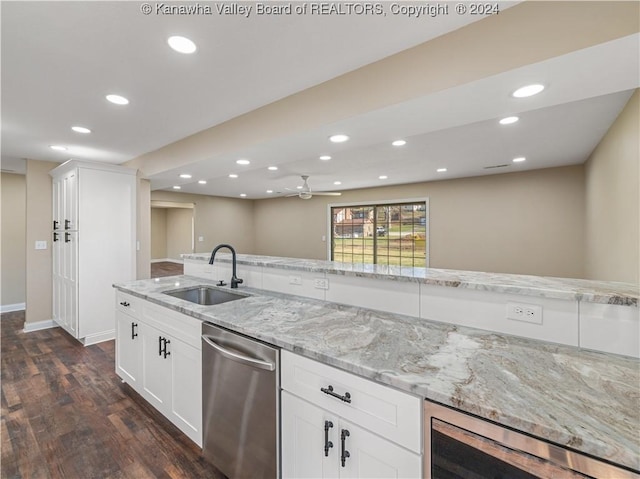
[586,400]
[606,292]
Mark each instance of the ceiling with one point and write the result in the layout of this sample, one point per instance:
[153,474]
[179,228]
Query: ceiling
[55,74]
[60,59]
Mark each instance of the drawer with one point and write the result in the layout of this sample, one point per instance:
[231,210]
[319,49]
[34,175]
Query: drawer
[128,304]
[390,413]
[181,326]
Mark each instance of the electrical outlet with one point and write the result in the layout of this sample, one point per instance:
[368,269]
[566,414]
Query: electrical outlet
[321,283]
[530,313]
[41,245]
[297,280]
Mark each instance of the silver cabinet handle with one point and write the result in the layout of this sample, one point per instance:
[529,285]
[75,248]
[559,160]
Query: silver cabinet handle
[239,357]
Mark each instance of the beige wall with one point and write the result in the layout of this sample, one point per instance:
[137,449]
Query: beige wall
[13,266]
[38,221]
[179,232]
[143,229]
[158,233]
[613,200]
[217,220]
[530,222]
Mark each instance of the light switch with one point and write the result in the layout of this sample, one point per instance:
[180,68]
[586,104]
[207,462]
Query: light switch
[41,245]
[200,239]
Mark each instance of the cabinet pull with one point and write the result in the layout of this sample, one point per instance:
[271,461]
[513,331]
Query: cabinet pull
[133,330]
[67,237]
[327,444]
[346,398]
[55,236]
[124,303]
[162,347]
[55,225]
[344,454]
[67,224]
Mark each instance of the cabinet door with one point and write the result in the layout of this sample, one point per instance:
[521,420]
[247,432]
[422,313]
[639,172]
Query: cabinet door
[128,348]
[186,390]
[156,369]
[58,203]
[370,456]
[303,440]
[69,281]
[70,197]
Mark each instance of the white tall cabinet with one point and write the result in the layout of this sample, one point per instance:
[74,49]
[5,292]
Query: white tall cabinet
[94,238]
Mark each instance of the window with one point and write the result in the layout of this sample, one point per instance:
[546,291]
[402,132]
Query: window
[391,234]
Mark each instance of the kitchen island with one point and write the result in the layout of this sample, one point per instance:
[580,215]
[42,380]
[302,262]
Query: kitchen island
[585,400]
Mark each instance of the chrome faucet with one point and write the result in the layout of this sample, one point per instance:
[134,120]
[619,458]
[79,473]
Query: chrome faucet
[235,281]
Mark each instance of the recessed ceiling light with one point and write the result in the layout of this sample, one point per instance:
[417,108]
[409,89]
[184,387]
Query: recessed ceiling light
[202,182]
[528,90]
[399,143]
[243,195]
[181,44]
[185,175]
[383,177]
[509,120]
[337,182]
[58,148]
[441,170]
[176,187]
[325,157]
[117,99]
[269,191]
[243,162]
[520,159]
[273,168]
[338,138]
[233,175]
[80,129]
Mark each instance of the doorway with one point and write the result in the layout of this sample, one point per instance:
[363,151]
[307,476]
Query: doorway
[172,234]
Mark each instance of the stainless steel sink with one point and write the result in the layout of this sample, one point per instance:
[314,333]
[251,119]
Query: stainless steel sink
[205,295]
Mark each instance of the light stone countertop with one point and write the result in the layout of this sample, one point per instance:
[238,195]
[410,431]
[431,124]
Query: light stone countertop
[606,292]
[589,401]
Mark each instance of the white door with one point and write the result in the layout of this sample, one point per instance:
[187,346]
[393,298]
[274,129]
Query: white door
[372,457]
[69,257]
[70,195]
[128,348]
[186,380]
[156,368]
[303,440]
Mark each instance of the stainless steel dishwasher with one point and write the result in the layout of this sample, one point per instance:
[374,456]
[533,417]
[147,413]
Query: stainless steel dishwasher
[240,404]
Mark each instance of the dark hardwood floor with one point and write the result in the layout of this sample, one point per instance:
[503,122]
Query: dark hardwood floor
[166,268]
[65,414]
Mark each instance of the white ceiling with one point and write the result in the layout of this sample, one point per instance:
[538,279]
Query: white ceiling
[55,75]
[60,59]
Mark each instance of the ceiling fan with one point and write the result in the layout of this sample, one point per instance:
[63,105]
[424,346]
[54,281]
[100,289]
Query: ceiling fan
[305,192]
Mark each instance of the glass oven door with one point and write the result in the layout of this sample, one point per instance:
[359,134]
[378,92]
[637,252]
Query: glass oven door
[461,446]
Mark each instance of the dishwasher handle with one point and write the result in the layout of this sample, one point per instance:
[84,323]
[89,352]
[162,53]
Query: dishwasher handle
[240,358]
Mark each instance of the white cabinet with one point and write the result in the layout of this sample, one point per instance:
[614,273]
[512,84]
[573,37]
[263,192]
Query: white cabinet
[128,348]
[93,245]
[355,428]
[158,352]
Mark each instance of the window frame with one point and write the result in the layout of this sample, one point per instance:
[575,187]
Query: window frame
[355,204]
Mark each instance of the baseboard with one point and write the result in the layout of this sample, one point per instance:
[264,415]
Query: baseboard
[38,325]
[98,338]
[167,260]
[10,308]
